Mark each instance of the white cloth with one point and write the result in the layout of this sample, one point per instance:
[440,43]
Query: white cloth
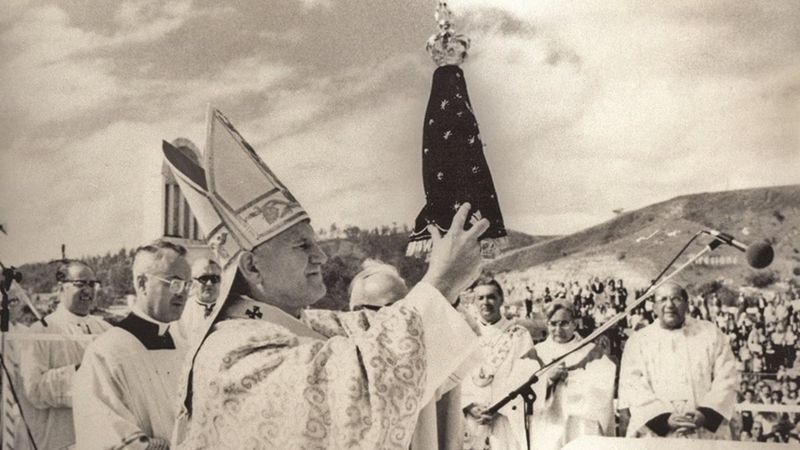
[193,321]
[666,371]
[580,405]
[503,367]
[47,369]
[125,392]
[276,383]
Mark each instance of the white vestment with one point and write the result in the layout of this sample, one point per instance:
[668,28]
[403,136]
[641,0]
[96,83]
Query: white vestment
[503,368]
[580,405]
[194,320]
[665,371]
[126,390]
[47,369]
[277,383]
[439,424]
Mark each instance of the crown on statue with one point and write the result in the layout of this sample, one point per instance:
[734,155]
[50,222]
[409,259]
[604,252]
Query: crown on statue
[447,47]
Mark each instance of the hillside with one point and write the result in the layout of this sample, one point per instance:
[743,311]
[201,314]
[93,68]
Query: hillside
[638,243]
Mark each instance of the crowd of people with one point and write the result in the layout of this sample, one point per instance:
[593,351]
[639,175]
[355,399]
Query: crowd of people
[762,328]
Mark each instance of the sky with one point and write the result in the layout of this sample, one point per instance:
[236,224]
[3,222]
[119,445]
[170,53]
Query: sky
[584,106]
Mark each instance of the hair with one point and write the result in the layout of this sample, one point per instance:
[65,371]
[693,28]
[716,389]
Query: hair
[62,271]
[489,281]
[557,305]
[155,250]
[205,263]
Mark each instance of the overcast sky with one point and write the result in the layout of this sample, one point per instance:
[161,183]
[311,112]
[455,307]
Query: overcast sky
[584,107]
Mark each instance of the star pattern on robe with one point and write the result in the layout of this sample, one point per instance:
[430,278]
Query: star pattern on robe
[455,170]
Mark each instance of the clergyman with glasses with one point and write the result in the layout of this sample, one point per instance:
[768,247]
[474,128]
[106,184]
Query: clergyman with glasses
[126,387]
[48,367]
[574,397]
[206,277]
[678,375]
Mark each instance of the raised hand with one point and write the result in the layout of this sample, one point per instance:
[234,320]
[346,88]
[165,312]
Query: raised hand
[455,258]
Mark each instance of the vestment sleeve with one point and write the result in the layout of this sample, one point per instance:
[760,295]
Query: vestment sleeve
[724,379]
[102,420]
[447,339]
[44,386]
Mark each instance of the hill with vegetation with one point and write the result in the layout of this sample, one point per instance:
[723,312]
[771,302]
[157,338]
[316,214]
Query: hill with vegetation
[639,243]
[346,248]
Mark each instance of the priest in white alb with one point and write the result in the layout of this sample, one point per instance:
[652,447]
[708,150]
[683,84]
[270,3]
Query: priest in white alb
[505,348]
[574,397]
[678,375]
[202,299]
[126,390]
[48,367]
[261,378]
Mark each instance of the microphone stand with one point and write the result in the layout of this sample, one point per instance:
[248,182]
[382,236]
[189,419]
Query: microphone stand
[10,274]
[526,389]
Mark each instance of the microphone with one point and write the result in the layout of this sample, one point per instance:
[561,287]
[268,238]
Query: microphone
[759,255]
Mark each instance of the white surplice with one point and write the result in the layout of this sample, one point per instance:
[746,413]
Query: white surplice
[47,369]
[666,371]
[126,390]
[278,383]
[580,405]
[503,347]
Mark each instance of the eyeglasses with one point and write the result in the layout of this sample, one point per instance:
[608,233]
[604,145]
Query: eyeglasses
[560,323]
[675,300]
[176,285]
[82,283]
[208,279]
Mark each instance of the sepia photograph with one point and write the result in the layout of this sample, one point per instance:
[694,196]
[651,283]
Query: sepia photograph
[418,224]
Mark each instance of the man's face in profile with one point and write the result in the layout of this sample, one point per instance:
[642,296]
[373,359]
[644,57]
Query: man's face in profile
[290,267]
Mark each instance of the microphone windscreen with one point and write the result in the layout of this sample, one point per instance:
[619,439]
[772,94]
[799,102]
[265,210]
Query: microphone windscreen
[759,255]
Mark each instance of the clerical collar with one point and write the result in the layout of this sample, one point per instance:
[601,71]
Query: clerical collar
[146,331]
[498,323]
[205,305]
[62,309]
[162,327]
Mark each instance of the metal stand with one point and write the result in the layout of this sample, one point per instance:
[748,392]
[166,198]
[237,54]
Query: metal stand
[10,274]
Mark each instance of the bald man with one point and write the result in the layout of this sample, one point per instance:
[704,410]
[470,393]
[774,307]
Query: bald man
[376,286]
[206,277]
[678,375]
[126,388]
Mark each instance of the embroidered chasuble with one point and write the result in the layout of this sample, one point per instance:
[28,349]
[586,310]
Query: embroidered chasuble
[665,371]
[263,379]
[126,388]
[503,367]
[439,424]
